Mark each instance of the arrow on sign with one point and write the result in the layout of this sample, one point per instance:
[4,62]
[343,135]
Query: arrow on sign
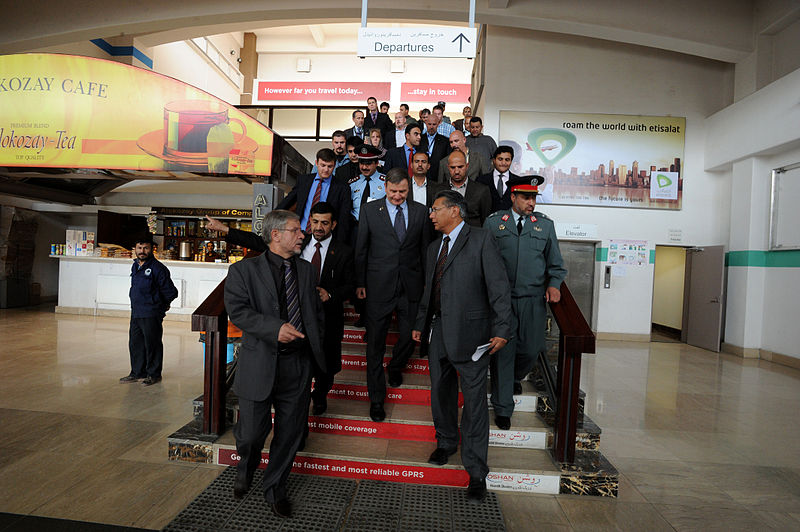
[461,38]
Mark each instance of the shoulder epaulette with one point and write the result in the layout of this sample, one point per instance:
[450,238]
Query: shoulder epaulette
[353,179]
[542,215]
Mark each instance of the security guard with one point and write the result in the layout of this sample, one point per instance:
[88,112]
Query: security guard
[369,184]
[529,247]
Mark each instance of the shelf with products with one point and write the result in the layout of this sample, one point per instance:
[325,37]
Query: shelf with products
[174,234]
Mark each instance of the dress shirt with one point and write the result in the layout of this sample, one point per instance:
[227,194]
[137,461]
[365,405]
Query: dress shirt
[376,191]
[311,248]
[496,174]
[326,185]
[453,235]
[462,189]
[445,129]
[420,192]
[393,211]
[517,216]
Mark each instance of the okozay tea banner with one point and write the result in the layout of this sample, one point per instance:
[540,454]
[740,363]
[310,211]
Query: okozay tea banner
[599,159]
[64,111]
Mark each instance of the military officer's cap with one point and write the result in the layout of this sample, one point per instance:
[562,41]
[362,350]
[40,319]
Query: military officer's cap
[367,153]
[525,184]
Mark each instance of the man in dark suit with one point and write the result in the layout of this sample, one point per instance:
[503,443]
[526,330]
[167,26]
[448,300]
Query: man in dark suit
[348,171]
[464,277]
[375,119]
[479,202]
[333,265]
[462,124]
[273,299]
[437,146]
[392,237]
[497,181]
[476,162]
[397,136]
[320,186]
[399,157]
[358,125]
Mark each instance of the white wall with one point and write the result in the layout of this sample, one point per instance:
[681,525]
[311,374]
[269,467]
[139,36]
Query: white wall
[546,72]
[182,62]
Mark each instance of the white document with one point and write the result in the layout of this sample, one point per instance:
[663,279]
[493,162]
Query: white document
[479,351]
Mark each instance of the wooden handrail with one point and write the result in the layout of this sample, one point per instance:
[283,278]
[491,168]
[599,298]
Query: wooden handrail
[575,338]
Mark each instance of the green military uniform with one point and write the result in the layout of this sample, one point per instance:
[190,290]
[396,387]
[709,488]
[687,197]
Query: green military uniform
[533,263]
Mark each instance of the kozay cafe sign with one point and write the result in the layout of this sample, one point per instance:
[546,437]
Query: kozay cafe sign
[272,91]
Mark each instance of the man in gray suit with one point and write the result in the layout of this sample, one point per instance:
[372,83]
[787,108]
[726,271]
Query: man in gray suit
[392,238]
[461,309]
[273,299]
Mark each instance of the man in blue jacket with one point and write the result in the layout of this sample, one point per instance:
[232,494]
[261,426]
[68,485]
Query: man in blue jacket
[151,293]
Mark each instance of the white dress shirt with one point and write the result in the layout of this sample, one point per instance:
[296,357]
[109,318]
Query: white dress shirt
[420,192]
[311,248]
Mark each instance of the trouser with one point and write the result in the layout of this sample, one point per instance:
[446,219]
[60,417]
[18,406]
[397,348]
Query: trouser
[378,319]
[145,346]
[289,397]
[514,361]
[332,346]
[445,374]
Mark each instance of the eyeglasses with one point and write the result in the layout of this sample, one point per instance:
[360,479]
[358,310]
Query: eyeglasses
[436,209]
[295,230]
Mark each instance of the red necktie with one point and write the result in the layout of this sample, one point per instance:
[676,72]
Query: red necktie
[316,260]
[317,197]
[410,159]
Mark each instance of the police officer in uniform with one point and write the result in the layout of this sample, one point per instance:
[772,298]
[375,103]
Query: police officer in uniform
[368,185]
[529,247]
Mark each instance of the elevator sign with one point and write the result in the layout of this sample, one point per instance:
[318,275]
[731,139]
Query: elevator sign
[432,41]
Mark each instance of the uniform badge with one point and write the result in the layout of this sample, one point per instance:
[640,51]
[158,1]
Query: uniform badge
[533,218]
[353,180]
[502,227]
[148,271]
[504,218]
[537,228]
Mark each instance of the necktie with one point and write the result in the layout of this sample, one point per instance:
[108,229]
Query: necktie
[410,160]
[374,117]
[519,226]
[316,260]
[365,194]
[400,224]
[314,201]
[437,276]
[358,133]
[292,299]
[500,185]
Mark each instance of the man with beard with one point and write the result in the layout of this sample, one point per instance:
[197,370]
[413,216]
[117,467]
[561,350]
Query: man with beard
[152,290]
[401,156]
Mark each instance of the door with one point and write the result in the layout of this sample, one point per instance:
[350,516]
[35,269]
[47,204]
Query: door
[705,283]
[579,259]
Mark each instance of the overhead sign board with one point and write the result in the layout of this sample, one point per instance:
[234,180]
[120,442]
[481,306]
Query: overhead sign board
[426,92]
[429,41]
[350,91]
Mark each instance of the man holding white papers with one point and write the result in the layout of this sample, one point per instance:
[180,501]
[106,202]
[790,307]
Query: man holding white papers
[462,309]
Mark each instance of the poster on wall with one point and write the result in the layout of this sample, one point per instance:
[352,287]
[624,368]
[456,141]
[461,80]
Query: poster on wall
[267,92]
[628,252]
[65,111]
[599,159]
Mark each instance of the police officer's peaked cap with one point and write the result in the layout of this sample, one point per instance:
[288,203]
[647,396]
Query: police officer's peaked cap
[368,153]
[526,184]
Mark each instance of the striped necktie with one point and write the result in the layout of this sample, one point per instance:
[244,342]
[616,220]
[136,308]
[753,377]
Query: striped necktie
[292,299]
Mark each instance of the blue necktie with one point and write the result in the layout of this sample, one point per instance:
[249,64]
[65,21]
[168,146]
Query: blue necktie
[400,224]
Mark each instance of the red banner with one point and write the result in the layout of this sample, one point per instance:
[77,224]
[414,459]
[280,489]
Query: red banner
[406,396]
[417,366]
[434,92]
[330,467]
[358,427]
[356,91]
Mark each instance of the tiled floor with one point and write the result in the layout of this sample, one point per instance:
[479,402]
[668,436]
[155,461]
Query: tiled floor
[702,441]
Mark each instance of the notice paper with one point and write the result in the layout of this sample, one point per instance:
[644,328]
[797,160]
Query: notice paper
[479,351]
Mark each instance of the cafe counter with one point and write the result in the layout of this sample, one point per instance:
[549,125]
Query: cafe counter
[99,285]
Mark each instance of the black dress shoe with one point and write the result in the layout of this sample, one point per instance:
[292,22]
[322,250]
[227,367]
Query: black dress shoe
[517,388]
[502,422]
[149,381]
[241,485]
[395,378]
[476,491]
[282,508]
[320,407]
[440,456]
[376,412]
[130,378]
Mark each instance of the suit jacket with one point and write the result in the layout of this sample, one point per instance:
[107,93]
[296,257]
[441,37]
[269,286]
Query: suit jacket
[345,173]
[441,148]
[395,158]
[477,166]
[338,196]
[479,203]
[246,239]
[498,203]
[383,122]
[382,261]
[351,132]
[475,294]
[251,299]
[459,124]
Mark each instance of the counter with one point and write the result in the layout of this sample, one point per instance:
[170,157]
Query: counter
[99,286]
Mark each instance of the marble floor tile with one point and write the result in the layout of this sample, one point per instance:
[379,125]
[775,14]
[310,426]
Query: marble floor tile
[584,513]
[527,512]
[710,517]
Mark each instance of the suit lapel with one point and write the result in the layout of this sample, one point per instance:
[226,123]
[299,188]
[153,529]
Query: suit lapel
[330,258]
[302,193]
[457,246]
[383,213]
[265,273]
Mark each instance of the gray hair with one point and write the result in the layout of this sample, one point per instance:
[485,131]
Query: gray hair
[275,220]
[454,199]
[397,175]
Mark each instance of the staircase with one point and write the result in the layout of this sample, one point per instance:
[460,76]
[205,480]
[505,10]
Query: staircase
[344,442]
